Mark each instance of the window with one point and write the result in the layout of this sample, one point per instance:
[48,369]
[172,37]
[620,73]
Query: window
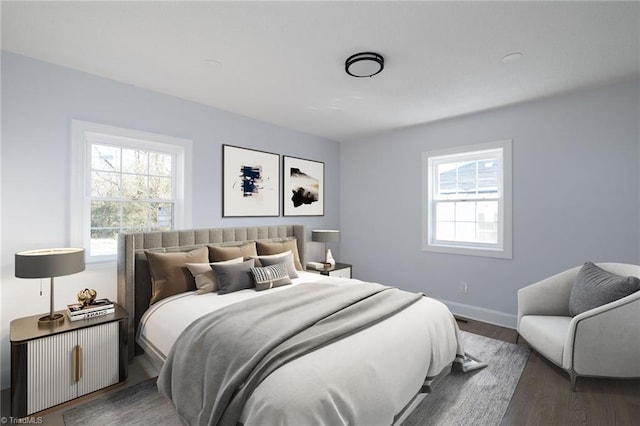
[125,181]
[467,200]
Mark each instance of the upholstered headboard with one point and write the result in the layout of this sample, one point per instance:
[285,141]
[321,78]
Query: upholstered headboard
[134,289]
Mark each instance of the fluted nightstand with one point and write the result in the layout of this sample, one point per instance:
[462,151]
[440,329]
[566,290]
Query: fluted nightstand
[54,364]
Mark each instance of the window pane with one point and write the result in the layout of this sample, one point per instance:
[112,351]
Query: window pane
[488,232]
[467,173]
[135,186]
[135,215]
[104,242]
[445,231]
[105,158]
[466,211]
[105,184]
[488,176]
[160,164]
[105,214]
[161,216]
[447,178]
[135,161]
[445,212]
[465,231]
[487,211]
[160,187]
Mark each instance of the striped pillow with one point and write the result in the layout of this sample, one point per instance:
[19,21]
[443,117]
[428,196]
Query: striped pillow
[267,277]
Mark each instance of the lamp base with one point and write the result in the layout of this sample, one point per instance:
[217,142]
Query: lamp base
[47,320]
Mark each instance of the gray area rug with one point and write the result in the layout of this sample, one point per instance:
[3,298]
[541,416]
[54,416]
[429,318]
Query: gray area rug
[139,405]
[479,397]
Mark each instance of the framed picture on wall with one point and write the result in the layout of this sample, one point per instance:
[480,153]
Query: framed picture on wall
[302,187]
[250,182]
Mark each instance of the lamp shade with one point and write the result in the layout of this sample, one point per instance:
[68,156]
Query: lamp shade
[48,263]
[325,235]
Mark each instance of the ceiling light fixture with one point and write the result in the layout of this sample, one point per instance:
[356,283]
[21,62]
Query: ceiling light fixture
[364,64]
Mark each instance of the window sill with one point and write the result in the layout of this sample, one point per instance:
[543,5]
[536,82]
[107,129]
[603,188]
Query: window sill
[468,251]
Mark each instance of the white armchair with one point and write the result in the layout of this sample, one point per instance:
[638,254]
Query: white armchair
[601,342]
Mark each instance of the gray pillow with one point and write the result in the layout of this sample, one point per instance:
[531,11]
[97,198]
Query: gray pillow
[595,287]
[205,277]
[272,259]
[268,277]
[234,276]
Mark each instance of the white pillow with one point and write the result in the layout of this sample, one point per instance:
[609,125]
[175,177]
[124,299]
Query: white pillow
[204,275]
[272,259]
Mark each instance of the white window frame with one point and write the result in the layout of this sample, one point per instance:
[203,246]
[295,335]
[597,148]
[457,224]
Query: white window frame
[82,135]
[503,248]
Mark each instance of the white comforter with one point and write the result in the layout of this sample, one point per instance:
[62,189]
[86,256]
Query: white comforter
[366,378]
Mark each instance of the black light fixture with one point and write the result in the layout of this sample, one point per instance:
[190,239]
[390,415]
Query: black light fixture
[364,64]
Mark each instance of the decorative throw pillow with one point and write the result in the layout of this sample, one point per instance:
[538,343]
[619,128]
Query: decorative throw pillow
[267,277]
[221,253]
[233,277]
[280,247]
[595,287]
[169,273]
[204,275]
[272,259]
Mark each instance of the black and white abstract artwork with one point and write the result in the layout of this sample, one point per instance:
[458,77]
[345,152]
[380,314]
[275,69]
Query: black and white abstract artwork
[303,187]
[250,182]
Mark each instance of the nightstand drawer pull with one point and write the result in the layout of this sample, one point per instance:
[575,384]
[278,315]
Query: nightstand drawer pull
[77,363]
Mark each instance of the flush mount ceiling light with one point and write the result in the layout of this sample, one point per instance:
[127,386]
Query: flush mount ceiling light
[364,64]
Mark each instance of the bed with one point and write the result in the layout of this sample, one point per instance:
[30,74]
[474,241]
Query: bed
[372,376]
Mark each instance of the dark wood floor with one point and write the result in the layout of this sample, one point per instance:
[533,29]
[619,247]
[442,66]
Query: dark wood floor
[543,397]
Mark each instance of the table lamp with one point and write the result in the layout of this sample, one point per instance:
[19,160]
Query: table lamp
[326,236]
[49,263]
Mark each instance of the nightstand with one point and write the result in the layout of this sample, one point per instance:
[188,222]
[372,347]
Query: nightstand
[54,364]
[339,270]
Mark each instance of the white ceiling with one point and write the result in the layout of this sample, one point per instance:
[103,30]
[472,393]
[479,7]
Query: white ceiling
[283,62]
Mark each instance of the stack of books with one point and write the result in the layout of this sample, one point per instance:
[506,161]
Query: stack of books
[99,307]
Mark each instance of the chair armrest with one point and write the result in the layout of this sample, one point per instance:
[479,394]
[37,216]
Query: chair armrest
[547,297]
[605,341]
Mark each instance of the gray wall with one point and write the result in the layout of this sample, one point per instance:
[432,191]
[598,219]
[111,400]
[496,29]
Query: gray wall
[575,198]
[39,100]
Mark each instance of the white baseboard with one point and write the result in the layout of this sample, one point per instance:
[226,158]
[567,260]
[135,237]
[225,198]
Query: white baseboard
[482,314]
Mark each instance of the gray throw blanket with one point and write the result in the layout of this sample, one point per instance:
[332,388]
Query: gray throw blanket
[220,359]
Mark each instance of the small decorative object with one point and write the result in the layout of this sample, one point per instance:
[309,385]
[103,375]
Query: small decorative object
[87,296]
[330,260]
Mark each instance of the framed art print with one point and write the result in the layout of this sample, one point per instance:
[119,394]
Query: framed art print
[250,182]
[303,187]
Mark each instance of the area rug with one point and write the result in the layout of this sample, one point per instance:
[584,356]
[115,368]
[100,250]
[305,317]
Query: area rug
[479,397]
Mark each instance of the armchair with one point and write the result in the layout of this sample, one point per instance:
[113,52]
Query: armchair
[601,342]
